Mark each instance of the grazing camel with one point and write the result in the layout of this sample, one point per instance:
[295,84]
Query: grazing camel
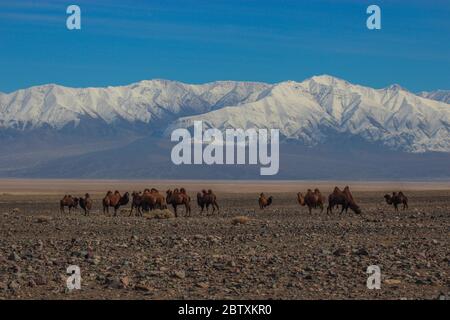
[86,203]
[68,201]
[152,199]
[179,197]
[115,200]
[207,198]
[264,201]
[396,199]
[136,203]
[343,198]
[311,199]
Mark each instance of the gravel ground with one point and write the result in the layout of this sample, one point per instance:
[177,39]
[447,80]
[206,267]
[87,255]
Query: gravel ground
[281,252]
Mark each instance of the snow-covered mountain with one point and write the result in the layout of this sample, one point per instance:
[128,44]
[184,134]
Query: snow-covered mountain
[317,109]
[149,102]
[438,95]
[122,132]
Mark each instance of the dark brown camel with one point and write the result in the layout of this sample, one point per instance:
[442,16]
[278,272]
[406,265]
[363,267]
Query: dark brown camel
[179,197]
[68,201]
[311,199]
[343,198]
[264,201]
[207,198]
[86,203]
[115,200]
[136,203]
[396,199]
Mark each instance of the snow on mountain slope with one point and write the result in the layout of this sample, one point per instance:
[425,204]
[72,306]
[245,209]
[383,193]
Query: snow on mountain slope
[438,95]
[312,110]
[146,101]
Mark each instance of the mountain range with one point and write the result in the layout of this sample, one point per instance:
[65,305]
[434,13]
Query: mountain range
[123,132]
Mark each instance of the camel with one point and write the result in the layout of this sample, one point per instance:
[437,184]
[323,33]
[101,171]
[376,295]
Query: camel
[178,197]
[86,203]
[207,198]
[68,201]
[396,199]
[115,200]
[264,201]
[343,198]
[152,199]
[311,199]
[136,203]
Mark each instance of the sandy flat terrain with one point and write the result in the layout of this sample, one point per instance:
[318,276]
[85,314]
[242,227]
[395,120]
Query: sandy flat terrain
[282,252]
[54,186]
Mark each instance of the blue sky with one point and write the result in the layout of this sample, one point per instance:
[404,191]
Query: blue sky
[198,41]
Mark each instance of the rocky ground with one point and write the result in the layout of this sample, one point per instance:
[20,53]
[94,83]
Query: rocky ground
[281,252]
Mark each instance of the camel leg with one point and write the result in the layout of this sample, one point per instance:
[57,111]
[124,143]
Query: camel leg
[310,210]
[321,208]
[217,206]
[175,210]
[131,211]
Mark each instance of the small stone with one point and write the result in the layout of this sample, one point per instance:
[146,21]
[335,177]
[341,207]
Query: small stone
[339,252]
[14,257]
[392,281]
[361,252]
[180,274]
[142,287]
[125,281]
[13,285]
[203,285]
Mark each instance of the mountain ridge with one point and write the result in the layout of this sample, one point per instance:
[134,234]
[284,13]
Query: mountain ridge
[123,131]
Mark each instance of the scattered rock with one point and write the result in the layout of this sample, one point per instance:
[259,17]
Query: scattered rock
[14,257]
[240,220]
[339,252]
[180,274]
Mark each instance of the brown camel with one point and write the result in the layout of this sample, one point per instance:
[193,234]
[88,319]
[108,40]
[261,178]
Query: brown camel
[152,199]
[115,200]
[311,199]
[264,201]
[68,201]
[396,199]
[207,198]
[179,197]
[343,198]
[86,203]
[136,203]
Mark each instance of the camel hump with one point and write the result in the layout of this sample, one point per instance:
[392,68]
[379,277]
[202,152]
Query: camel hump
[183,190]
[210,191]
[336,189]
